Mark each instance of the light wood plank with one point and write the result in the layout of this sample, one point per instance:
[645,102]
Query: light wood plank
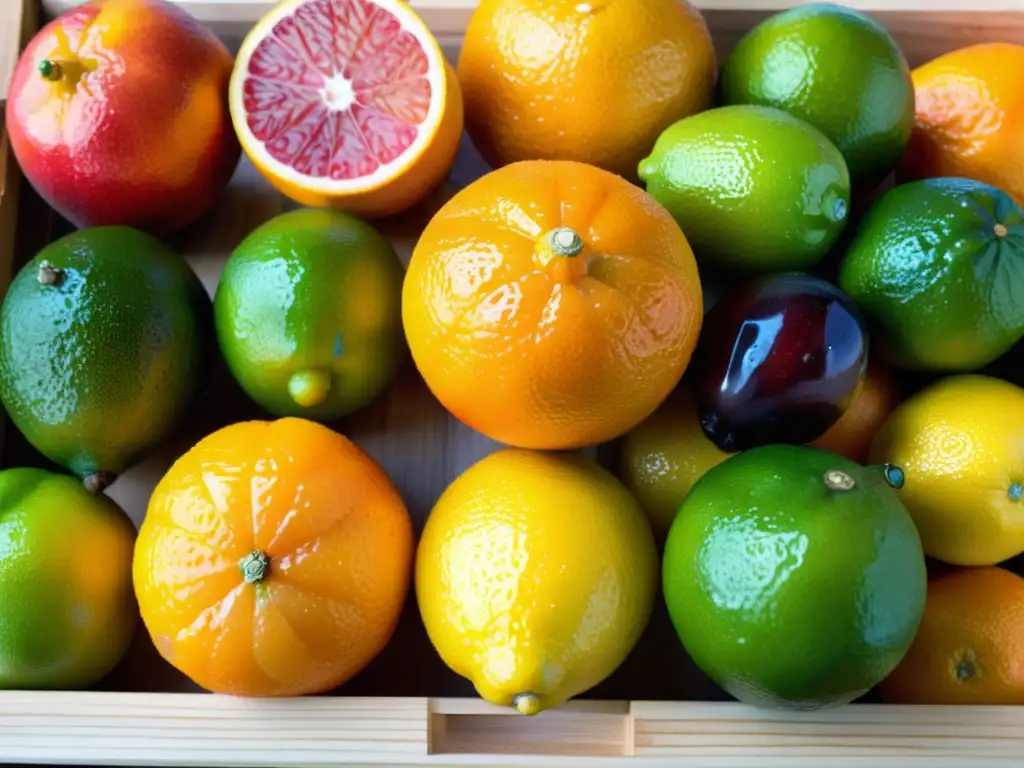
[176,729]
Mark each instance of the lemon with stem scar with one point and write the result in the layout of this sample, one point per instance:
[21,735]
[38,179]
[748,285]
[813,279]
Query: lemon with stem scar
[535,576]
[961,444]
[308,314]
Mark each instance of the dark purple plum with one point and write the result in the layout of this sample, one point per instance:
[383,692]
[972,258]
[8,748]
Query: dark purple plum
[779,361]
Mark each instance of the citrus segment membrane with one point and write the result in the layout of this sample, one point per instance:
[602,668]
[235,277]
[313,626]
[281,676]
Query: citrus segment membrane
[340,90]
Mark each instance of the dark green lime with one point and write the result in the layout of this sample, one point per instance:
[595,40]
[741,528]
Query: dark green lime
[753,188]
[104,341]
[837,69]
[794,577]
[937,266]
[308,314]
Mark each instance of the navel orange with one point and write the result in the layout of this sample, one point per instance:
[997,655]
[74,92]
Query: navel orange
[347,103]
[969,648]
[274,560]
[552,305]
[970,116]
[593,81]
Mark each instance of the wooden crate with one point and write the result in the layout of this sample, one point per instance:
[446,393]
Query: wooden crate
[407,708]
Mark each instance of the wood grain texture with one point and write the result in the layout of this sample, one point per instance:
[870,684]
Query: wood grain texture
[212,731]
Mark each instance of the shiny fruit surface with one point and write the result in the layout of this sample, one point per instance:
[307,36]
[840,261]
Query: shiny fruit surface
[65,582]
[839,70]
[970,106]
[968,650]
[105,344]
[535,576]
[876,398]
[960,442]
[552,305]
[779,361]
[118,115]
[274,560]
[662,457]
[594,82]
[308,314]
[937,267]
[795,577]
[753,188]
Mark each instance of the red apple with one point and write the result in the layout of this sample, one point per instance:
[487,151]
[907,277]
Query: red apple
[118,114]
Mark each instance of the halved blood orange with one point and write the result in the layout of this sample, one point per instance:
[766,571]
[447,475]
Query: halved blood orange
[347,103]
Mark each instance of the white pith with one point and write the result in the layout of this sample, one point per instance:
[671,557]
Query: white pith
[338,94]
[435,75]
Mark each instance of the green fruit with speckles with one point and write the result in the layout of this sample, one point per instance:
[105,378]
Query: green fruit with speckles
[837,69]
[103,346]
[753,188]
[67,607]
[308,314]
[937,267]
[794,577]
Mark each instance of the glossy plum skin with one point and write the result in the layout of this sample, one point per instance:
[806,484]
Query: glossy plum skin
[779,361]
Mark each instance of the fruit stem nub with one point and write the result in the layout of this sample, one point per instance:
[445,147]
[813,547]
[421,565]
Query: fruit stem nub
[1001,230]
[309,387]
[98,482]
[1015,491]
[50,70]
[527,703]
[254,567]
[894,476]
[49,274]
[837,480]
[565,242]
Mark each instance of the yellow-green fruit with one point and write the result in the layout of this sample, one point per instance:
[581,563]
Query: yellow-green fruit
[67,609]
[535,577]
[664,456]
[961,444]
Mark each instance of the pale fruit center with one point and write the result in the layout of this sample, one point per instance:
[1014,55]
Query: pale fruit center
[337,89]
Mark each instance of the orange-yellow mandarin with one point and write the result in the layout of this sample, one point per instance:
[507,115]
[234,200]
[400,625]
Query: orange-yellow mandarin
[970,118]
[969,649]
[274,560]
[595,81]
[552,305]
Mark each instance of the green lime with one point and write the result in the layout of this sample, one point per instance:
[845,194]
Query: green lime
[753,188]
[67,608]
[837,69]
[937,267]
[103,345]
[308,314]
[795,577]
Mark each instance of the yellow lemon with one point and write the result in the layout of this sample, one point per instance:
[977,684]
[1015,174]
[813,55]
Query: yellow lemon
[664,456]
[535,576]
[960,443]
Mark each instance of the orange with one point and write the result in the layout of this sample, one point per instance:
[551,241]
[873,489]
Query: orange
[274,560]
[969,648]
[970,118]
[347,103]
[876,398]
[552,305]
[594,81]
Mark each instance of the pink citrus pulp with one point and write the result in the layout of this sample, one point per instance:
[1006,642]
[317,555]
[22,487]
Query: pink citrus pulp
[347,103]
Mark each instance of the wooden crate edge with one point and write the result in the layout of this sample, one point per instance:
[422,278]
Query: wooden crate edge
[451,16]
[139,729]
